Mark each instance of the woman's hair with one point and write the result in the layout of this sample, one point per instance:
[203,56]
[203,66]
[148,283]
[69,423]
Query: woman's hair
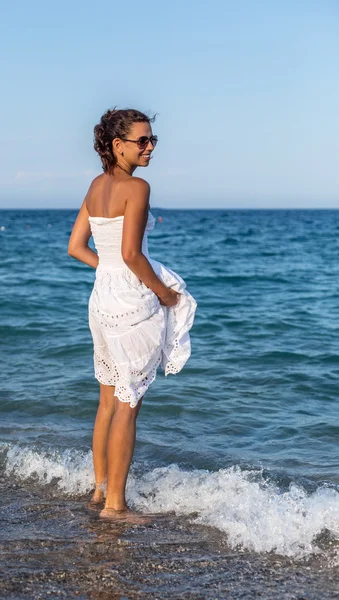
[115,123]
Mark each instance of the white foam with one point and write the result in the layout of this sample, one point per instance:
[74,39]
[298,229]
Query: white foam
[255,514]
[71,470]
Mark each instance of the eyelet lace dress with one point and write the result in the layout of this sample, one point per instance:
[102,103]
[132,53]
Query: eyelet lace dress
[133,333]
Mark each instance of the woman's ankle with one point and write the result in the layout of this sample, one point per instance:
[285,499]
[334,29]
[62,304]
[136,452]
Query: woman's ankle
[101,485]
[100,490]
[116,504]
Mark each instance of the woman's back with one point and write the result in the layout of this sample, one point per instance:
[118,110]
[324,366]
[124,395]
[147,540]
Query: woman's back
[107,196]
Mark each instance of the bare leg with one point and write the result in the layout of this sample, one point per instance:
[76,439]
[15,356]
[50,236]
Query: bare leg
[102,425]
[120,448]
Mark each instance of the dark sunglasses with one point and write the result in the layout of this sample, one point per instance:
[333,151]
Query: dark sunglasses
[143,141]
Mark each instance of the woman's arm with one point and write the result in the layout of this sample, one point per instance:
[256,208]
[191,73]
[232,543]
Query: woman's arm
[78,241]
[135,220]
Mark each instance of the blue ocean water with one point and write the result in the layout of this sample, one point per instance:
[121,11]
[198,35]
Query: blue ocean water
[247,433]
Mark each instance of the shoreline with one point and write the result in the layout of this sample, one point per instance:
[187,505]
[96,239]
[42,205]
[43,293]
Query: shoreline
[58,548]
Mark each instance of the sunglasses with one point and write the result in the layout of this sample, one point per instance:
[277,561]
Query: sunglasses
[143,141]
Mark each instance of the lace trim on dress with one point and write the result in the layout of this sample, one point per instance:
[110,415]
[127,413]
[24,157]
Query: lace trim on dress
[124,390]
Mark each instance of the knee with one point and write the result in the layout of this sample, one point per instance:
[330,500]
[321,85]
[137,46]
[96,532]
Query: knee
[123,410]
[106,404]
[106,399]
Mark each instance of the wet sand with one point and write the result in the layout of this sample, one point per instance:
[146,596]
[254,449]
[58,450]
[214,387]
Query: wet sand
[59,548]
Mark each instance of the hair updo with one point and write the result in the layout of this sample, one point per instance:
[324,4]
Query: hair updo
[115,123]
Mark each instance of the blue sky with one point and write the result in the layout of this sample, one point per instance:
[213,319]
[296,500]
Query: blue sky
[247,96]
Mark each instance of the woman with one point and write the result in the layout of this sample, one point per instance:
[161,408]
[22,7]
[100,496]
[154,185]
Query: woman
[140,311]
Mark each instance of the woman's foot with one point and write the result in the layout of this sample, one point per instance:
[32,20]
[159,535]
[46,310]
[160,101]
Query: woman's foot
[98,497]
[126,514]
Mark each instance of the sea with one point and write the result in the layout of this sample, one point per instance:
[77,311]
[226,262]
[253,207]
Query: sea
[237,454]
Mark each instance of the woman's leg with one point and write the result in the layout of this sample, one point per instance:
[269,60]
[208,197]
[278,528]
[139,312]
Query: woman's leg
[102,425]
[120,448]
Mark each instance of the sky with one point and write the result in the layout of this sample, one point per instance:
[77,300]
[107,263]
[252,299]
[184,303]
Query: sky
[246,94]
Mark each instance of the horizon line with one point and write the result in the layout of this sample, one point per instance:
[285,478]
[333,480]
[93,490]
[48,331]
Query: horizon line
[183,209]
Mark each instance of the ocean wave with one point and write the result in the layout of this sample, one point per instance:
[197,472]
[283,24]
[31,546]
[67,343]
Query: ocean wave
[252,511]
[70,471]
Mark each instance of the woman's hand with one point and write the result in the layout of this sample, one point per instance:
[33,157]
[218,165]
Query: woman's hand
[171,298]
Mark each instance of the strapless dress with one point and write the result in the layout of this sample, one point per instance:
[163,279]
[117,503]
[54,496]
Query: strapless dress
[133,333]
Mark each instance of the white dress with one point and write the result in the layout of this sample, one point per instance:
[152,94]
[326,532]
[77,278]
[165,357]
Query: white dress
[133,333]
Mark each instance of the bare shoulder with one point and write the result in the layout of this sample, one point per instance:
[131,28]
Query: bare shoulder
[138,193]
[98,180]
[138,183]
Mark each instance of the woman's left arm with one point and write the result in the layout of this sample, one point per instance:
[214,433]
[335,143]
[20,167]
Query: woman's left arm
[78,241]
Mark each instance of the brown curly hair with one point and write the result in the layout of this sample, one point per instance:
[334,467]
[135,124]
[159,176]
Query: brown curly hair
[115,123]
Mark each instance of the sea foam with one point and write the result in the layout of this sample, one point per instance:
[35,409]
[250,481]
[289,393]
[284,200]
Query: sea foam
[254,513]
